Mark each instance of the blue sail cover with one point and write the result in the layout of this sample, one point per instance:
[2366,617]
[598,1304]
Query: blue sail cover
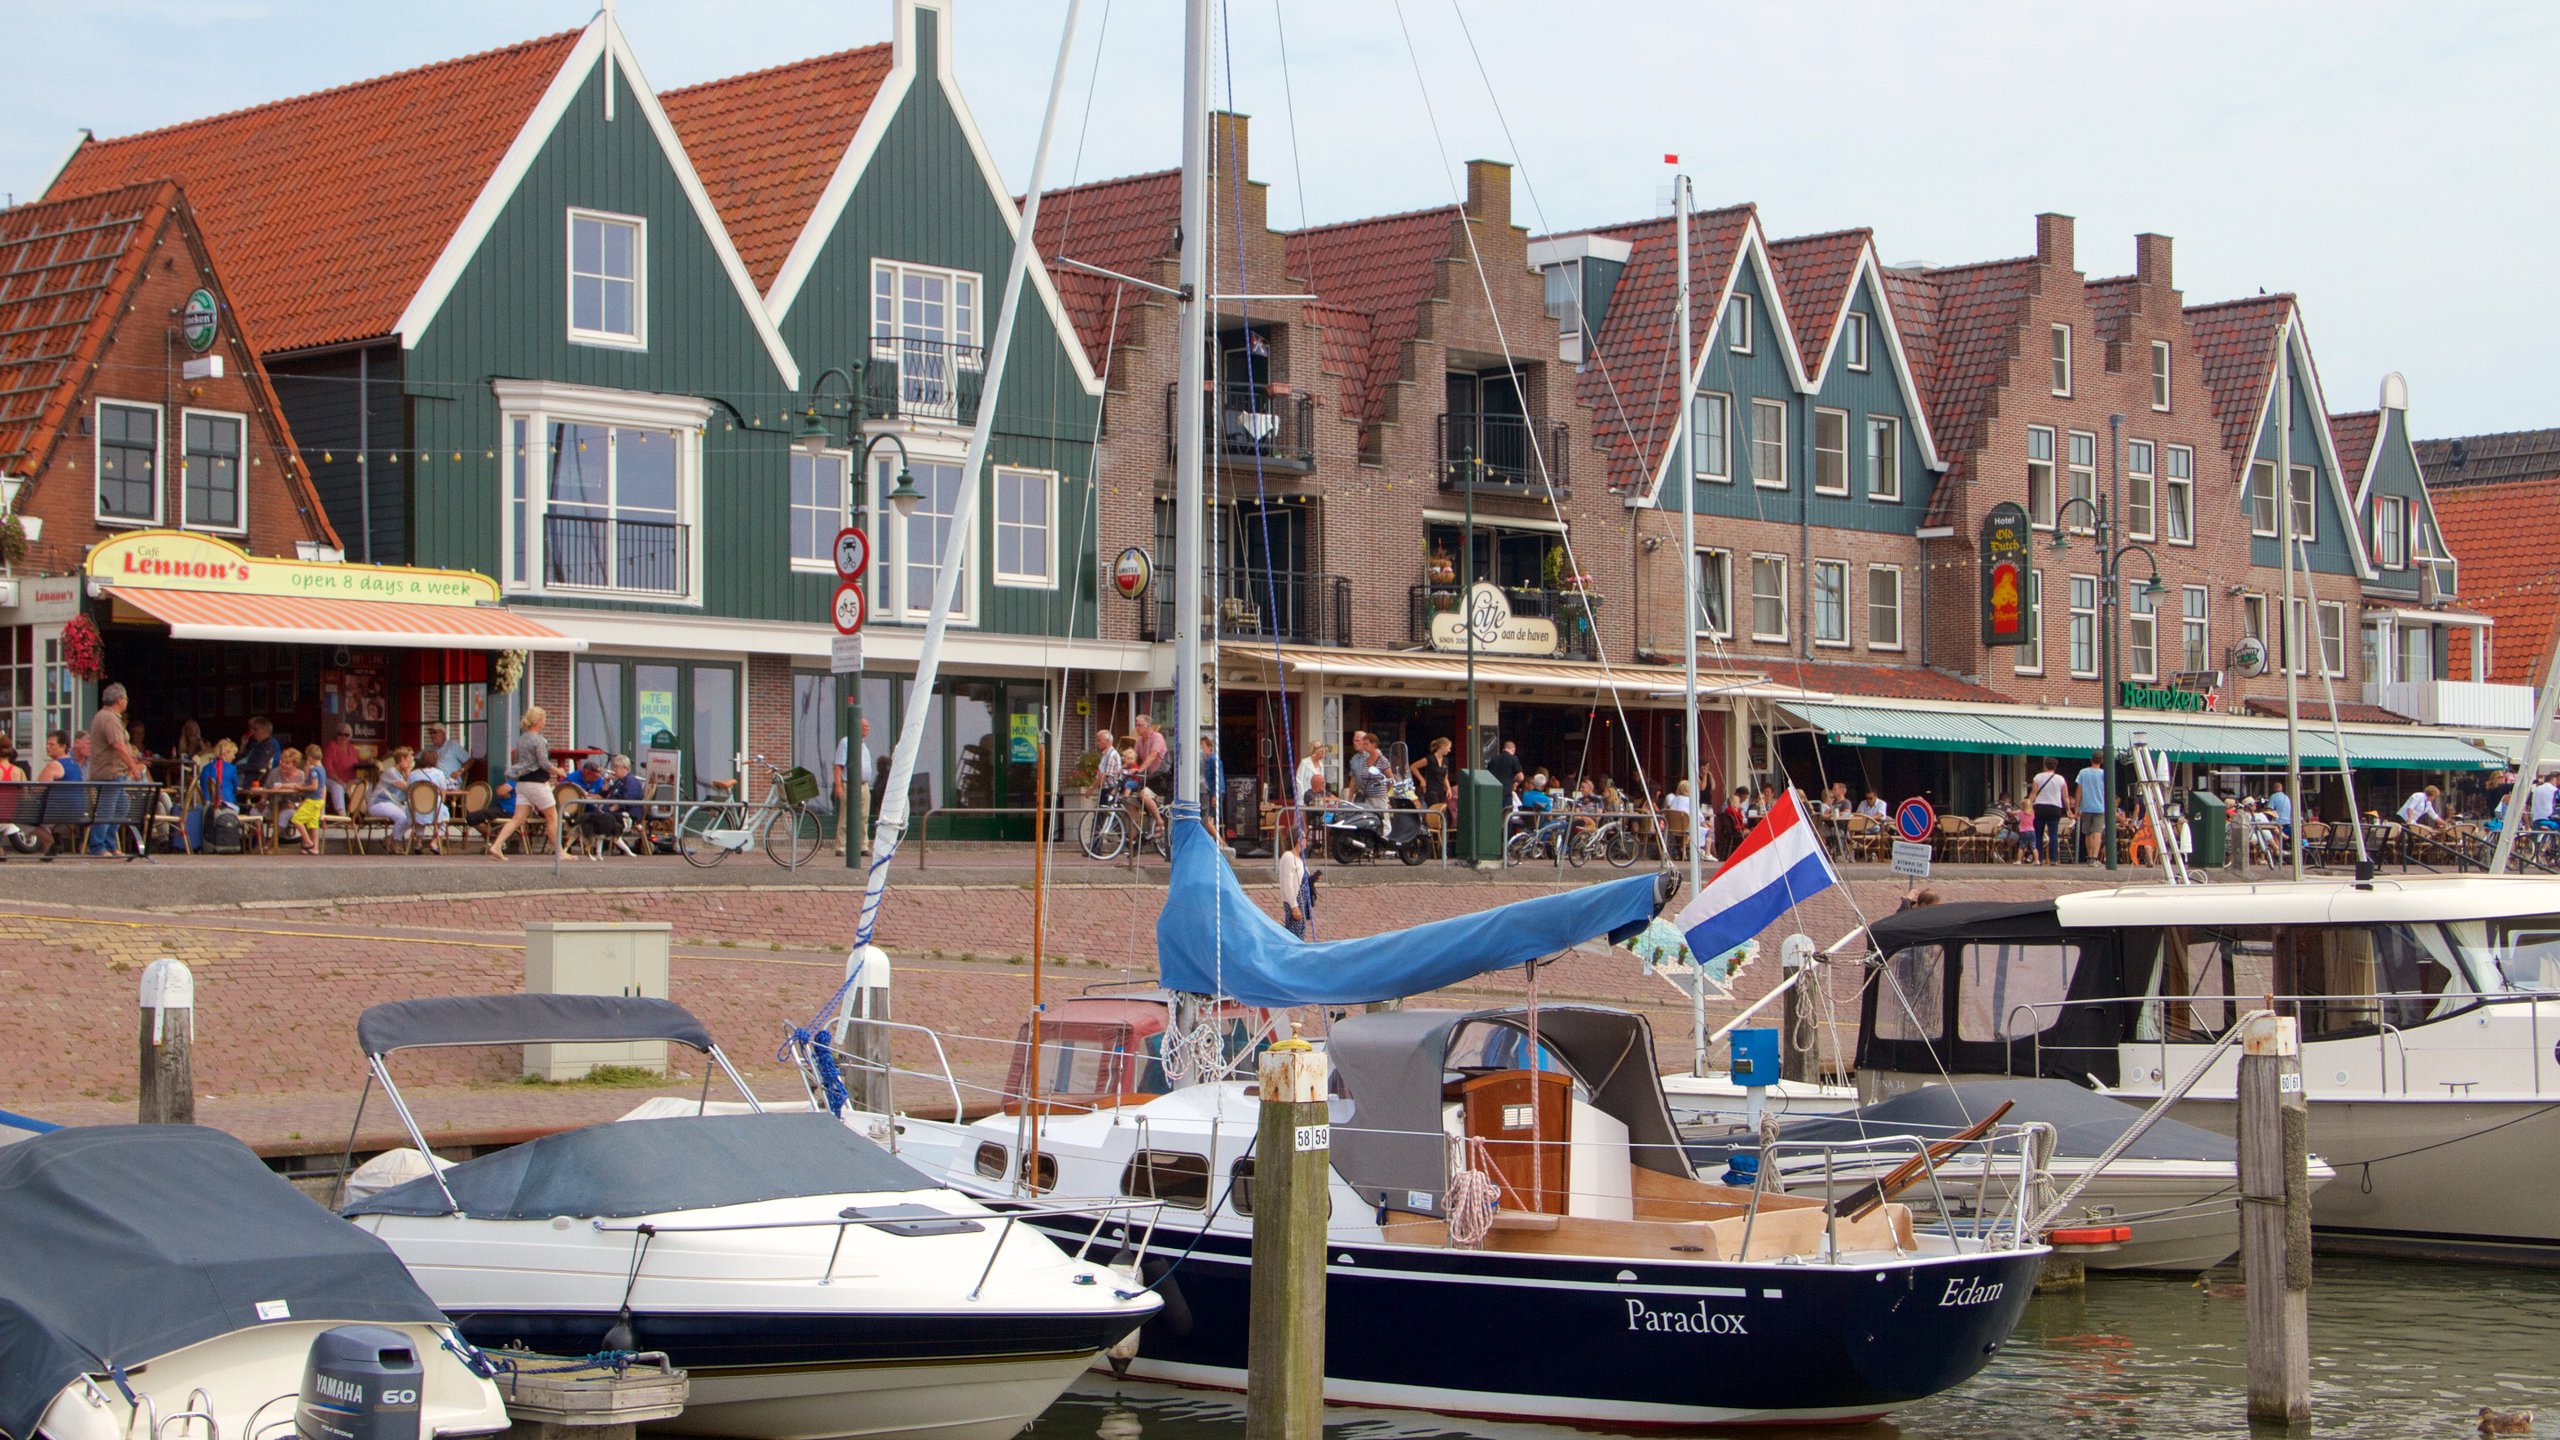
[1212,940]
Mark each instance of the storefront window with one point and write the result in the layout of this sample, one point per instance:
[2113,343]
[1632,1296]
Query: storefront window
[653,691]
[813,734]
[599,708]
[715,724]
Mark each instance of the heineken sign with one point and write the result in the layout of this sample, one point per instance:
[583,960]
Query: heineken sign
[2006,546]
[196,321]
[2134,696]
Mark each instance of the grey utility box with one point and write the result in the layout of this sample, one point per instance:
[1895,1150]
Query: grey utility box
[594,957]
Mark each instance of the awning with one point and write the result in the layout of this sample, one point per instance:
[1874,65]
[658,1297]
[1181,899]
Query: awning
[1631,681]
[1996,732]
[308,620]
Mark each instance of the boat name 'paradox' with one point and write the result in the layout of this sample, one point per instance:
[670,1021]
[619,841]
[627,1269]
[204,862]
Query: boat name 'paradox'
[1702,1321]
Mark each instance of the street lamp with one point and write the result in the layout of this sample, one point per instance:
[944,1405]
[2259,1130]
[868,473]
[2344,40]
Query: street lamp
[2110,578]
[814,434]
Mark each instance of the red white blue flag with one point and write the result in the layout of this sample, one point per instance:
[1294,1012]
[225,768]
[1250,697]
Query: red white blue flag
[1777,867]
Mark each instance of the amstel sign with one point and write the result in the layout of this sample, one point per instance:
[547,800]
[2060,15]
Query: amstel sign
[176,560]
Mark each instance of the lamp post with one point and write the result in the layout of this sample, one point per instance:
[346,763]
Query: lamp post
[2110,578]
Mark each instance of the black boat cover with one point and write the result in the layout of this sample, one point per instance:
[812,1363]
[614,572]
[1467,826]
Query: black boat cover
[2085,1122]
[648,1167]
[121,1243]
[525,1020]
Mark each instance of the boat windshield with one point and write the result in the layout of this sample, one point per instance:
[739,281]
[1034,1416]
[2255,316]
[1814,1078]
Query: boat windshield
[2517,954]
[2337,979]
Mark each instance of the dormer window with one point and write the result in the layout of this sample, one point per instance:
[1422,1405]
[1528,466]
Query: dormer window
[1853,341]
[1737,324]
[607,256]
[2391,532]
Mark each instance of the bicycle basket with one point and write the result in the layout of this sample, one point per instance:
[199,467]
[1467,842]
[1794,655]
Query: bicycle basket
[798,785]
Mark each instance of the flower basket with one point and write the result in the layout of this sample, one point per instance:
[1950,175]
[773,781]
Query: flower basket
[84,652]
[13,537]
[1444,602]
[506,672]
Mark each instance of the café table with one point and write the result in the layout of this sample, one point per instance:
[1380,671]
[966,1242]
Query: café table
[277,801]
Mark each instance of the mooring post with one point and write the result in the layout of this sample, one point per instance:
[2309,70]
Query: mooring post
[2275,1219]
[166,1094]
[1292,1168]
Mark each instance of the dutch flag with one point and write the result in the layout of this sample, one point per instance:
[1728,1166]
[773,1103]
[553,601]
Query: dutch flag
[1778,866]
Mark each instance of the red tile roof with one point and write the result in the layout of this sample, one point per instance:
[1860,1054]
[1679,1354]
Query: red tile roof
[65,266]
[1633,389]
[2489,459]
[766,143]
[1385,267]
[1342,348]
[2351,712]
[329,209]
[2502,535]
[2111,303]
[2236,342]
[1883,682]
[2354,435]
[1815,275]
[1124,225]
[1957,324]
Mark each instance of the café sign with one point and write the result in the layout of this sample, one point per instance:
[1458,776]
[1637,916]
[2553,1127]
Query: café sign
[2006,543]
[2135,696]
[175,560]
[1497,630]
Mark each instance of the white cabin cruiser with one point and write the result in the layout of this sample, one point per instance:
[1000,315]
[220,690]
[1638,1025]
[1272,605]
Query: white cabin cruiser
[160,1280]
[813,1284]
[2429,1009]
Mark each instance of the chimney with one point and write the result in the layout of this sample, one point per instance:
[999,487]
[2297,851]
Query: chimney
[2151,260]
[1230,145]
[1489,191]
[2054,248]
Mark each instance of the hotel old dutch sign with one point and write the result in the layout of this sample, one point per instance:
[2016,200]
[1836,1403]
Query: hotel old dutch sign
[176,560]
[2007,547]
[1497,630]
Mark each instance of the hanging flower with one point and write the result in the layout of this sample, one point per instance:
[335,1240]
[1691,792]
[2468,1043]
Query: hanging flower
[506,671]
[84,653]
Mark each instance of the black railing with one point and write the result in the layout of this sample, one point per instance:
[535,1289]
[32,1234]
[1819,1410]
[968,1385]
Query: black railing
[605,552]
[1576,614]
[923,380]
[1249,424]
[1496,453]
[1263,605]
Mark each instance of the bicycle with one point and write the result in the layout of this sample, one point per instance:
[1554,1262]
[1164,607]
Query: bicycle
[1614,839]
[1538,842]
[1108,827]
[710,831]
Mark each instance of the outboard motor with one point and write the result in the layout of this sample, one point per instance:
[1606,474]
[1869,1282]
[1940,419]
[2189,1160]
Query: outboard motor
[362,1382]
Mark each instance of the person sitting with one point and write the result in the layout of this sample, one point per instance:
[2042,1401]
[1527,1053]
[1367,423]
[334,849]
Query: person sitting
[339,758]
[258,754]
[1537,809]
[300,807]
[1733,821]
[217,788]
[1873,807]
[501,807]
[390,796]
[615,815]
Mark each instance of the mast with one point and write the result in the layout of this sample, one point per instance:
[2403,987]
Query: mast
[1685,476]
[2295,633]
[1191,343]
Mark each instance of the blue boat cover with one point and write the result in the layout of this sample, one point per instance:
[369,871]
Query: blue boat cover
[1211,940]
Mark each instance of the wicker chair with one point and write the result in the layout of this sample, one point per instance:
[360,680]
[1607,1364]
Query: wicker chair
[1866,837]
[359,817]
[428,815]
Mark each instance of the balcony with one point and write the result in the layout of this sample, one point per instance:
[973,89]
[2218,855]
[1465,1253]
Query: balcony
[1497,451]
[1576,614]
[1249,426]
[923,380]
[1296,609]
[607,552]
[2457,702]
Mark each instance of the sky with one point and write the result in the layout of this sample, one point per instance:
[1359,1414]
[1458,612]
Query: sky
[2392,164]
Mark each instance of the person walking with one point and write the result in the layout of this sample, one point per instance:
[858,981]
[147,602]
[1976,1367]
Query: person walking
[1505,764]
[1213,784]
[529,766]
[1296,883]
[2047,794]
[853,782]
[2092,782]
[111,757]
[1431,775]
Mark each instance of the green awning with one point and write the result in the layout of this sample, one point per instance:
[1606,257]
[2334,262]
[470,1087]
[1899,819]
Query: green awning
[1961,731]
[1897,729]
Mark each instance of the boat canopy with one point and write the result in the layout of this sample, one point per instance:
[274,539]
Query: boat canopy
[1391,1147]
[2085,1122]
[125,1242]
[1996,988]
[646,1167]
[1211,940]
[524,1020]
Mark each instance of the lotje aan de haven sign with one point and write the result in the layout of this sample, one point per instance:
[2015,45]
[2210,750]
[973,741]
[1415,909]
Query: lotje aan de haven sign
[1497,630]
[173,560]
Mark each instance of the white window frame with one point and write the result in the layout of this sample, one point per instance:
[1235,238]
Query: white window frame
[2391,541]
[1712,462]
[159,465]
[825,561]
[187,521]
[2298,638]
[2333,642]
[2052,509]
[884,343]
[2253,623]
[2083,480]
[541,403]
[1760,409]
[1838,573]
[1723,592]
[638,339]
[2160,376]
[2028,659]
[1820,414]
[2261,482]
[1884,461]
[2083,585]
[2304,495]
[1737,323]
[2178,490]
[891,602]
[2062,360]
[1875,573]
[1853,341]
[2141,489]
[1778,564]
[1047,577]
[2195,627]
[2142,634]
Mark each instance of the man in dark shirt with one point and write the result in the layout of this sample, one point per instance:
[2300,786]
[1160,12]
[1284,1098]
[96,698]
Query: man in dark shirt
[1505,764]
[259,754]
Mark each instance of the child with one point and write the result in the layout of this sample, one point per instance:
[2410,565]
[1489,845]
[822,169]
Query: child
[302,822]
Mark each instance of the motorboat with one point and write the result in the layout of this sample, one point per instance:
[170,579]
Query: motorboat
[812,1284]
[1715,1099]
[2428,1009]
[160,1280]
[2174,1187]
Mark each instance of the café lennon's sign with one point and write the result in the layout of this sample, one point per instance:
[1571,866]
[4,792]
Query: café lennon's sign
[1497,630]
[177,560]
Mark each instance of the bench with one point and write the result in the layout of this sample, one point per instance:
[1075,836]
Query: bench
[43,805]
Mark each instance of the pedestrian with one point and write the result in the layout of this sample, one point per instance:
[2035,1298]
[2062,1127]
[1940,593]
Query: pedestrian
[529,766]
[1505,763]
[1213,784]
[191,746]
[853,782]
[2049,794]
[2543,801]
[1310,770]
[2093,806]
[1296,884]
[1918,899]
[1154,768]
[111,757]
[1367,776]
[2423,810]
[1431,779]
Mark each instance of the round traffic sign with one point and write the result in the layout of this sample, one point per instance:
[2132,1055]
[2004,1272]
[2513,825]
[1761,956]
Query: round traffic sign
[853,552]
[849,608]
[1915,819]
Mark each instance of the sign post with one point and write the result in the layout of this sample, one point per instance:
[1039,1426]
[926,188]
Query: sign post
[853,556]
[1913,820]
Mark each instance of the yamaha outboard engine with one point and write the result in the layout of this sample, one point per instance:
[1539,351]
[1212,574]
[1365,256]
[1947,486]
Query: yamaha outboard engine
[362,1382]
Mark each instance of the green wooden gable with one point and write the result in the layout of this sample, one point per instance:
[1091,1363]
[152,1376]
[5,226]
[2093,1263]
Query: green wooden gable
[1875,391]
[2393,471]
[2333,548]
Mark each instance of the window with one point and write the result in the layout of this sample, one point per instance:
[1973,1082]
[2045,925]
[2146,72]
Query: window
[519,501]
[2084,624]
[925,319]
[2028,659]
[1715,593]
[606,256]
[1884,607]
[1884,458]
[2195,630]
[917,555]
[2142,635]
[2333,638]
[1853,341]
[1830,602]
[1173,1176]
[2391,532]
[1737,324]
[128,463]
[2253,619]
[2061,359]
[1026,528]
[2306,512]
[2297,640]
[2262,498]
[1830,452]
[2159,374]
[2377,652]
[2178,496]
[1769,444]
[2039,477]
[1564,303]
[817,508]
[2417,655]
[1769,597]
[601,489]
[2141,489]
[212,497]
[2084,480]
[1711,438]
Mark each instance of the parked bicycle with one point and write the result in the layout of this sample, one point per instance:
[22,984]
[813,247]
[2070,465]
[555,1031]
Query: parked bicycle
[710,831]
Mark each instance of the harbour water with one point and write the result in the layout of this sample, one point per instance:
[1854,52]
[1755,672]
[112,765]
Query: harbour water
[2399,1350]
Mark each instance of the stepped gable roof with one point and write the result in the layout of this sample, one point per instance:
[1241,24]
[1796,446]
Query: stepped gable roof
[2236,342]
[1634,392]
[2111,303]
[65,268]
[766,144]
[1882,682]
[1124,225]
[2490,459]
[1384,267]
[1818,272]
[1965,318]
[2354,435]
[330,209]
[1342,349]
[2502,535]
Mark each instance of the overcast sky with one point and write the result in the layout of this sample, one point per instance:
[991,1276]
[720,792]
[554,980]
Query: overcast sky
[2394,164]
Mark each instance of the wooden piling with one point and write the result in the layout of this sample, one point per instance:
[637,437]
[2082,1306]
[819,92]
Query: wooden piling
[1292,1168]
[166,1092]
[2275,1219]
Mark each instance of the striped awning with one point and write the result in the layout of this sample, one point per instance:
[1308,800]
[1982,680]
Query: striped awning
[309,620]
[2000,732]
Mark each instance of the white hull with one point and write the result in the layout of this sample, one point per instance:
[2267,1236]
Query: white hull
[239,1377]
[1713,1099]
[983,1400]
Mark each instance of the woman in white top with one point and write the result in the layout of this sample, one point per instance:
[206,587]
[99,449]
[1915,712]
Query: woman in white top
[390,795]
[1309,769]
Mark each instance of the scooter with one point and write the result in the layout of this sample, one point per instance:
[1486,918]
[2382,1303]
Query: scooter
[1355,832]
